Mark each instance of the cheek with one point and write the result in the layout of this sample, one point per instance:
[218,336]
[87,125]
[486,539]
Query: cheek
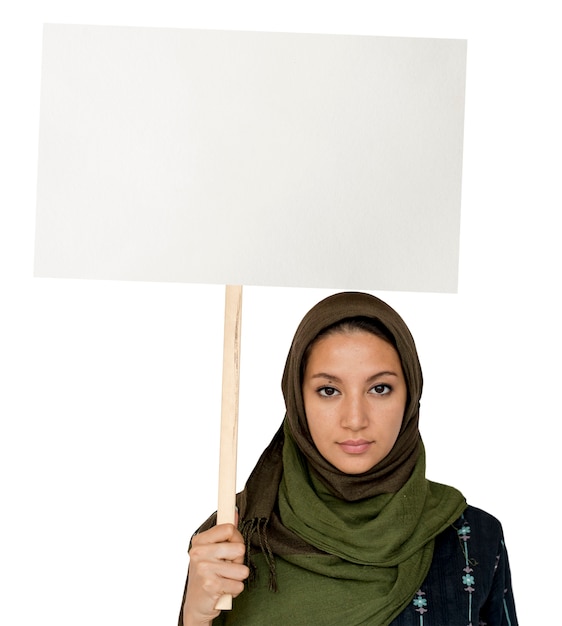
[396,430]
[319,419]
[316,416]
[395,420]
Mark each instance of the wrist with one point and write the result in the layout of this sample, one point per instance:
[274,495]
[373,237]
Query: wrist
[190,621]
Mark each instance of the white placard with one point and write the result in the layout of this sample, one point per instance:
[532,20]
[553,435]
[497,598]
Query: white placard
[250,158]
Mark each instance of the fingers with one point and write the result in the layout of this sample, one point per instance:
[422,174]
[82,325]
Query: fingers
[229,579]
[226,540]
[216,567]
[218,553]
[216,534]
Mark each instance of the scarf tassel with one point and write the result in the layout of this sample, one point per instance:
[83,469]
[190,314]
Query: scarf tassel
[257,527]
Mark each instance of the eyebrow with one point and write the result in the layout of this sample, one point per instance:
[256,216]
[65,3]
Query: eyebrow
[337,379]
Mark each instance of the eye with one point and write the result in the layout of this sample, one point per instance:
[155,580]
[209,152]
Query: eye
[327,392]
[381,389]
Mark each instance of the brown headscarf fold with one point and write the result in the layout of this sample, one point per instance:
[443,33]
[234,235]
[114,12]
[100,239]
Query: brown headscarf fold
[394,470]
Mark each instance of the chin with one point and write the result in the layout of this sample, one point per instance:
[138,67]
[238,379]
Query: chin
[355,468]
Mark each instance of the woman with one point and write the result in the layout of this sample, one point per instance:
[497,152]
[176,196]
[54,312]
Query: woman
[337,522]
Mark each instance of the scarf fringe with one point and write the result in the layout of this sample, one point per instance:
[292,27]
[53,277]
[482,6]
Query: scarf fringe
[257,527]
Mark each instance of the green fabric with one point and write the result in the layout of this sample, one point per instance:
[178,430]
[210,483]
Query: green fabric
[386,540]
[308,599]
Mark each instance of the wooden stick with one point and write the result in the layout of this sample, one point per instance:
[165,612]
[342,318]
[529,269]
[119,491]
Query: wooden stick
[226,511]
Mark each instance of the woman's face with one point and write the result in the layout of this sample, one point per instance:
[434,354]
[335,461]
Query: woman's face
[354,396]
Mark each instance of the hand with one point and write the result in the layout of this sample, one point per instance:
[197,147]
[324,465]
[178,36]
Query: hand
[216,567]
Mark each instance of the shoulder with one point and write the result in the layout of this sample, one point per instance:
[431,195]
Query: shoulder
[481,524]
[481,516]
[469,579]
[476,531]
[475,535]
[473,545]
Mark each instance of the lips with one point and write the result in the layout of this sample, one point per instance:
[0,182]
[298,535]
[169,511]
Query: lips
[355,446]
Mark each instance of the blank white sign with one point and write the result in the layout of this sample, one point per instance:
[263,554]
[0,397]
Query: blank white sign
[250,158]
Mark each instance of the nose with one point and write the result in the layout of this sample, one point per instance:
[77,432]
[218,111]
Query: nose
[354,414]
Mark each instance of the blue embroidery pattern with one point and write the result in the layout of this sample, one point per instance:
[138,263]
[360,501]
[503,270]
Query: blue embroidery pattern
[468,578]
[420,603]
[469,575]
[505,609]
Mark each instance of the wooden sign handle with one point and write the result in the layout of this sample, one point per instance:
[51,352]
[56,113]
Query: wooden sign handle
[226,510]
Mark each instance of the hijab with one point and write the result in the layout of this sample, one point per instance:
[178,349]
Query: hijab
[393,471]
[377,527]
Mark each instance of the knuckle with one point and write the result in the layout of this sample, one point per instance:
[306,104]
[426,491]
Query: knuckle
[195,553]
[237,588]
[209,587]
[239,548]
[205,569]
[196,540]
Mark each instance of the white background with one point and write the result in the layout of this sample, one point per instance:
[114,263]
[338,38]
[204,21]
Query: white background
[110,391]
